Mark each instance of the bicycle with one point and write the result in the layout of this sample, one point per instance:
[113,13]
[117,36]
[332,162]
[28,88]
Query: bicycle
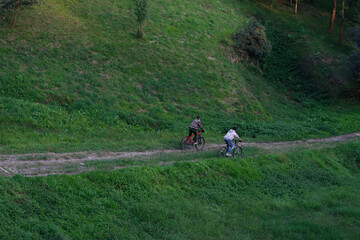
[235,152]
[188,142]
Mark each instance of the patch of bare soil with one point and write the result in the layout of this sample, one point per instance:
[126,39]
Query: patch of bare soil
[40,164]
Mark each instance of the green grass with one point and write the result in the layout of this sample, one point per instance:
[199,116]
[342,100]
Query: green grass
[74,77]
[299,195]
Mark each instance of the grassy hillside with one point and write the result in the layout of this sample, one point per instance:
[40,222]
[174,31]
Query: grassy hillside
[300,195]
[74,77]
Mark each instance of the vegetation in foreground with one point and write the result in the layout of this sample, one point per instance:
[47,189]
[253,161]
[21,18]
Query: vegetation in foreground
[300,195]
[73,76]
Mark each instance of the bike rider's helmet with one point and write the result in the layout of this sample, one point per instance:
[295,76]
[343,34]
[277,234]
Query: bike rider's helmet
[198,117]
[234,128]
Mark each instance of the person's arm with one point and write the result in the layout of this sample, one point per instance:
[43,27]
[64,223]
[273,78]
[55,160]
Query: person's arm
[200,126]
[236,135]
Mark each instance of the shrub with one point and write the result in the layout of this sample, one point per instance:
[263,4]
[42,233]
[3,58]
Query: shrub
[355,57]
[251,42]
[141,14]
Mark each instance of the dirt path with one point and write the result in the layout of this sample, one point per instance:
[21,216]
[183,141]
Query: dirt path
[39,164]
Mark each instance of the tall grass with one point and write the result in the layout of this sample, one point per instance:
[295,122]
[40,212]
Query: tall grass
[300,195]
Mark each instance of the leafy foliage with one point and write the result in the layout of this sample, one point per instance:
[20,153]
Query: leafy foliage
[355,57]
[12,4]
[141,14]
[140,10]
[352,10]
[251,42]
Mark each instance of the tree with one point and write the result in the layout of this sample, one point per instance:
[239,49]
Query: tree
[270,5]
[13,6]
[297,2]
[141,14]
[332,16]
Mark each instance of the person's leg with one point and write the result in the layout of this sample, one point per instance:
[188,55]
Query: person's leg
[230,146]
[196,136]
[192,131]
[227,145]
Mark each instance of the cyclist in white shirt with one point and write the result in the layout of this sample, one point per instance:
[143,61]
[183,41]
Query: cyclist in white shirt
[228,139]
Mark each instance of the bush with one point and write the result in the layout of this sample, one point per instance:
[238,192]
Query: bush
[10,4]
[355,57]
[141,14]
[352,10]
[251,42]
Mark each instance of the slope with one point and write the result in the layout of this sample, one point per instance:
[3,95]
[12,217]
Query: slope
[300,195]
[74,77]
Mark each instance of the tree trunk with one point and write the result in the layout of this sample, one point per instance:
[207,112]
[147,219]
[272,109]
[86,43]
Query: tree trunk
[332,17]
[342,21]
[296,6]
[14,17]
[291,2]
[139,33]
[270,5]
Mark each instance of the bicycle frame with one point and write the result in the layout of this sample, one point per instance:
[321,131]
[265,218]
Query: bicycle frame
[192,138]
[236,150]
[236,145]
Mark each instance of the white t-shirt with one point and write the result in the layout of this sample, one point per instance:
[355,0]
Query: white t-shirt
[231,135]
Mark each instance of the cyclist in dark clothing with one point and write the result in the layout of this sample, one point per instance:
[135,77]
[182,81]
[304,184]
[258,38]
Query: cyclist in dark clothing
[196,123]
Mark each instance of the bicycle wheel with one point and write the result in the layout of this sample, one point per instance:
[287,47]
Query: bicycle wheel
[222,152]
[237,152]
[184,144]
[200,143]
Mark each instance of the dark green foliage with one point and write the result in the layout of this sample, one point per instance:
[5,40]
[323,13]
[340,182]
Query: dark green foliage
[251,42]
[141,9]
[355,57]
[287,67]
[8,4]
[355,36]
[352,10]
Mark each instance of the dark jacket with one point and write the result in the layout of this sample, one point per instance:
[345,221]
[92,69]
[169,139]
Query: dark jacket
[196,124]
